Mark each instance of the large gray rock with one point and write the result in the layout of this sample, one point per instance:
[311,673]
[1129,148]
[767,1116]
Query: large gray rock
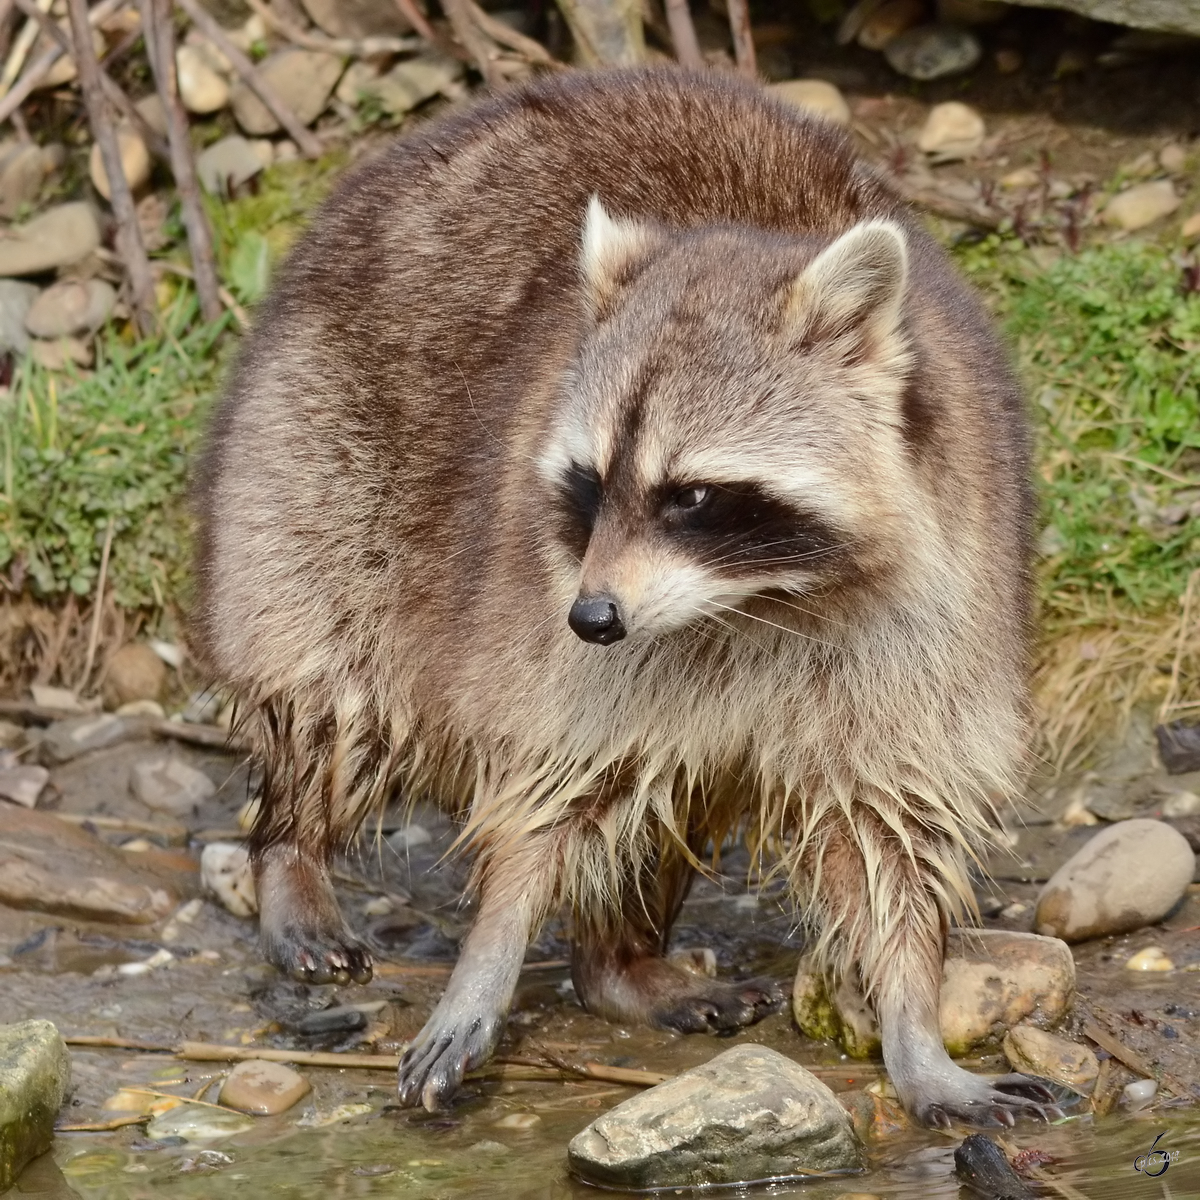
[166,784]
[304,80]
[1168,16]
[1129,875]
[749,1114]
[35,1076]
[65,740]
[59,236]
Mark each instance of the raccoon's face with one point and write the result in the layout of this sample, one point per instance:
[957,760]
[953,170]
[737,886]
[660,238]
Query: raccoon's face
[731,424]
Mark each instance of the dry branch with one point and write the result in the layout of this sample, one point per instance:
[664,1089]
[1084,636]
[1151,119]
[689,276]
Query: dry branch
[97,607]
[157,22]
[418,20]
[683,35]
[532,50]
[743,37]
[309,143]
[346,47]
[480,47]
[137,265]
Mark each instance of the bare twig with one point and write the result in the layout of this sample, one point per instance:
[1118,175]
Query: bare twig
[480,47]
[21,46]
[160,34]
[533,50]
[743,38]
[212,737]
[309,143]
[6,14]
[1168,704]
[97,608]
[419,21]
[173,833]
[683,35]
[104,1126]
[137,265]
[115,1043]
[346,47]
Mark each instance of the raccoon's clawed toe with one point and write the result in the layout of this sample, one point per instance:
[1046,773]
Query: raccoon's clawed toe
[719,1007]
[995,1104]
[319,958]
[433,1067]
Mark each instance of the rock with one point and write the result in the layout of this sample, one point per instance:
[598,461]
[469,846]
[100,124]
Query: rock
[1166,16]
[746,1115]
[931,51]
[12,737]
[143,708]
[153,113]
[889,21]
[135,161]
[1138,1094]
[61,353]
[414,81]
[356,18]
[23,785]
[62,699]
[1142,204]
[227,164]
[410,836]
[35,1077]
[520,1121]
[70,307]
[50,866]
[815,96]
[1179,742]
[1019,180]
[951,131]
[56,238]
[65,740]
[196,1124]
[166,784]
[1036,1052]
[304,79]
[264,1088]
[16,299]
[1191,227]
[1127,876]
[338,1020]
[135,672]
[984,1168]
[1172,158]
[201,89]
[992,979]
[23,169]
[225,871]
[356,82]
[1153,958]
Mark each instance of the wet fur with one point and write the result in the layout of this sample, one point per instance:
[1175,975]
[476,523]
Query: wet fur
[385,571]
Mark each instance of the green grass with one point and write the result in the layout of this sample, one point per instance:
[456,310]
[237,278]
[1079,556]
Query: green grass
[1108,343]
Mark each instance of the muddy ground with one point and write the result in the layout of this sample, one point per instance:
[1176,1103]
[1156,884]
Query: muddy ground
[505,1137]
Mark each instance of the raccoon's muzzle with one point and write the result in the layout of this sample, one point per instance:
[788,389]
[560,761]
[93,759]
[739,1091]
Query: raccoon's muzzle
[596,619]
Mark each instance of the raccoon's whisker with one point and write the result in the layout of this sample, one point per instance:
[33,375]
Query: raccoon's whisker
[807,556]
[774,625]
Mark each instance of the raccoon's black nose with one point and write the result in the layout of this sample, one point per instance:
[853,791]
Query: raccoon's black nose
[596,619]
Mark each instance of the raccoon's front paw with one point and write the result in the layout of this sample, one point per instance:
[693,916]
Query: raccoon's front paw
[717,1006]
[433,1067]
[317,956]
[988,1103]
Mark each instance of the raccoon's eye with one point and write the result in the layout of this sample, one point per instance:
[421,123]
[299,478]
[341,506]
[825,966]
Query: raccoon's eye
[692,497]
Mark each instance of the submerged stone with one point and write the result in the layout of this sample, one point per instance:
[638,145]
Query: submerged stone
[35,1075]
[747,1115]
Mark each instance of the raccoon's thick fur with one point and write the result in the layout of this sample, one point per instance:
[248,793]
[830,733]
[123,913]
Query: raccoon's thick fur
[621,464]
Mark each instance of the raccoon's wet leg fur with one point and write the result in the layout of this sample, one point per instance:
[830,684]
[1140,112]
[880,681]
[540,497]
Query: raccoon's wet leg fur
[620,973]
[882,908]
[301,928]
[517,886]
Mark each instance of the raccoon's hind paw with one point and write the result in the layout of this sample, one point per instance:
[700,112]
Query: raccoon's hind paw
[718,1006]
[318,957]
[992,1104]
[433,1067]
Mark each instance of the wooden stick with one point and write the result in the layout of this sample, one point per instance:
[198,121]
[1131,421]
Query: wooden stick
[1133,1060]
[145,1091]
[309,143]
[213,737]
[21,46]
[417,19]
[367,47]
[683,35]
[115,1043]
[103,1126]
[128,110]
[160,33]
[743,38]
[98,604]
[498,31]
[474,40]
[137,265]
[177,834]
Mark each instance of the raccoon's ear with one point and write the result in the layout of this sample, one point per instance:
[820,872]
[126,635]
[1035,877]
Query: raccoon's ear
[612,251]
[851,294]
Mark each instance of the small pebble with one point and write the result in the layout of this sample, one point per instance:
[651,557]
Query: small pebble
[518,1120]
[1139,1093]
[225,871]
[951,131]
[1014,910]
[1142,204]
[1153,958]
[332,1020]
[263,1088]
[815,96]
[194,1123]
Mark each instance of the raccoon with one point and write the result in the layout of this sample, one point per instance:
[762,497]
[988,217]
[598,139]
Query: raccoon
[620,463]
